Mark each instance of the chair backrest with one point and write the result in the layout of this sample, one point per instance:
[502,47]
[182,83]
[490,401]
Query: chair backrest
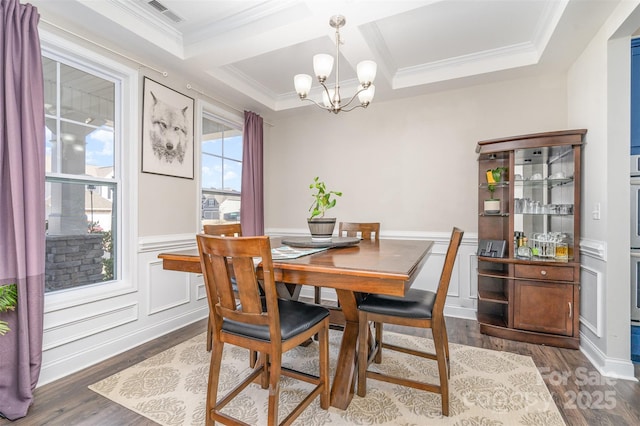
[224,229]
[447,271]
[221,259]
[367,231]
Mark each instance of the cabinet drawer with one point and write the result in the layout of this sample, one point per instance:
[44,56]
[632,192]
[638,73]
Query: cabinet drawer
[543,272]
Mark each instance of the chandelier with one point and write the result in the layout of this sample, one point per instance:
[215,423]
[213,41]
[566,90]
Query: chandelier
[322,66]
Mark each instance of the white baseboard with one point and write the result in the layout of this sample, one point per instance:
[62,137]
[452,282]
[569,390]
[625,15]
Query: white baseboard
[608,367]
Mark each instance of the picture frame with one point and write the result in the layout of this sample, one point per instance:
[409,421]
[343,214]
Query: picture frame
[167,131]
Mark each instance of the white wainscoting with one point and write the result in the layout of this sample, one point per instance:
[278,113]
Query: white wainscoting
[169,289]
[592,299]
[106,322]
[593,312]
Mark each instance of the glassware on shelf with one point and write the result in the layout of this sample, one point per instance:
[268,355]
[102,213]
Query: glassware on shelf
[550,245]
[562,251]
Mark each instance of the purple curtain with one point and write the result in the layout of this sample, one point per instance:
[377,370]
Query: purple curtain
[252,200]
[22,208]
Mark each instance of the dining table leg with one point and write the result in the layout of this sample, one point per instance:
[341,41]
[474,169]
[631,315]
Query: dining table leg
[346,367]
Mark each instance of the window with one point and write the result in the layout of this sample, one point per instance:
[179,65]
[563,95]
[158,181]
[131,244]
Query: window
[221,170]
[82,182]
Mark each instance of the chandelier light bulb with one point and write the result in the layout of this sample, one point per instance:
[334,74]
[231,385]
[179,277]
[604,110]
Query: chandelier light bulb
[322,66]
[302,83]
[366,72]
[366,95]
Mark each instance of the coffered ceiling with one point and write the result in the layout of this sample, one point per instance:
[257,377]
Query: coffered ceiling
[246,52]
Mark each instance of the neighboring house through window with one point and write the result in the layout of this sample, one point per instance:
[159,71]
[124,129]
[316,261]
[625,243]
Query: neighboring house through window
[221,170]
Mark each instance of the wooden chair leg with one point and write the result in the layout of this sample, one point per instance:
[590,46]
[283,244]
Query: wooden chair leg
[214,377]
[275,370]
[363,353]
[323,347]
[265,362]
[378,328]
[446,347]
[209,336]
[438,341]
[317,297]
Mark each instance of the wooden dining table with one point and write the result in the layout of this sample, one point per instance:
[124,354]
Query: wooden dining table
[388,266]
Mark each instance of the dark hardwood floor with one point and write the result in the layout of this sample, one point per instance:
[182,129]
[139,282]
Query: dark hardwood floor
[583,396]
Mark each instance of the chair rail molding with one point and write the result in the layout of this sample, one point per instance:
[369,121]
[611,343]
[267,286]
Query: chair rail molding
[593,248]
[167,243]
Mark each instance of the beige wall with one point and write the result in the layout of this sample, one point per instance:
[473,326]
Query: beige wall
[411,163]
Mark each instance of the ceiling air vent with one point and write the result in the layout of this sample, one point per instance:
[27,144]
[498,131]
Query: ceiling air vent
[164,11]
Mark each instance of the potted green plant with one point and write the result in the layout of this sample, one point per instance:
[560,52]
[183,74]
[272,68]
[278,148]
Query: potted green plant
[321,227]
[8,302]
[494,176]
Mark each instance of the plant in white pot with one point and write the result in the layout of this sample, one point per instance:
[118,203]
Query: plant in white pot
[494,176]
[321,227]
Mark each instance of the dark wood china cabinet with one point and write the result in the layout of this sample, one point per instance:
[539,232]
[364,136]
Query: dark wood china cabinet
[528,255]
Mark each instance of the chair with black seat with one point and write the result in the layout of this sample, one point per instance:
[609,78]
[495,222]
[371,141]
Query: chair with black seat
[265,324]
[223,230]
[362,230]
[418,308]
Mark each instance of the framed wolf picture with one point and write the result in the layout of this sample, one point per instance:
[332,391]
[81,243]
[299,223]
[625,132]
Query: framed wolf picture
[167,131]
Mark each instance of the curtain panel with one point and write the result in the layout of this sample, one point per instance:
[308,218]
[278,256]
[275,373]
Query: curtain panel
[22,204]
[252,199]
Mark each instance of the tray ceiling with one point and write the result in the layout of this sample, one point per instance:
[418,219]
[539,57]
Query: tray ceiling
[247,52]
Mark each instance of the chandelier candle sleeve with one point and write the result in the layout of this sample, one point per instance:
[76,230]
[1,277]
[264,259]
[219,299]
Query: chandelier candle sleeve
[366,72]
[322,68]
[303,84]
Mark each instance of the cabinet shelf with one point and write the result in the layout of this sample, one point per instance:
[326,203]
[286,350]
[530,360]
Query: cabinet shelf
[494,320]
[549,182]
[544,214]
[503,184]
[493,296]
[492,272]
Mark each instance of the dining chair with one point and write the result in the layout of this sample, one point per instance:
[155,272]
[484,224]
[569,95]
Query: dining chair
[418,308]
[228,230]
[363,230]
[261,323]
[224,229]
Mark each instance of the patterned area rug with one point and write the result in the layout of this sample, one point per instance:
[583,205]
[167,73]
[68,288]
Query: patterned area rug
[486,388]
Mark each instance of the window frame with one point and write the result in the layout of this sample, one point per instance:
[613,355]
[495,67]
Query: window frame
[126,156]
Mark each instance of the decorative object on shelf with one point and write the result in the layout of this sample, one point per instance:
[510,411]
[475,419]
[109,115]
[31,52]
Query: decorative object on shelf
[321,227]
[8,302]
[322,66]
[492,248]
[494,176]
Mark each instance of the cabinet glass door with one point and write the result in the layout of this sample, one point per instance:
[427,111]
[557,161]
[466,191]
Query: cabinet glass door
[543,204]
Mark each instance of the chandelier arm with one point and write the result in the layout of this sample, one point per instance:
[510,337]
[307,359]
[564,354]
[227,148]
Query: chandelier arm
[352,98]
[354,107]
[317,104]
